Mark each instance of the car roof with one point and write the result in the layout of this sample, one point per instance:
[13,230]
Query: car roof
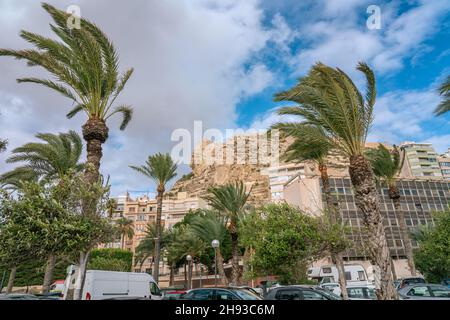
[410,286]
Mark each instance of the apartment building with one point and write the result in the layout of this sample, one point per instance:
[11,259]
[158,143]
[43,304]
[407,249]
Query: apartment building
[142,211]
[421,161]
[420,198]
[444,164]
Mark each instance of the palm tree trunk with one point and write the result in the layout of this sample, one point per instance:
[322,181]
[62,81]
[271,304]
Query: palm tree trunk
[12,278]
[49,271]
[394,194]
[79,283]
[221,269]
[159,201]
[172,276]
[122,241]
[235,272]
[367,200]
[336,257]
[95,132]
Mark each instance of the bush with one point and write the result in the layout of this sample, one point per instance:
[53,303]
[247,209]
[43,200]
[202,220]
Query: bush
[111,260]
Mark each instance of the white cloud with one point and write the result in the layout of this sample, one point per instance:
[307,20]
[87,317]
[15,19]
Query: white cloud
[194,60]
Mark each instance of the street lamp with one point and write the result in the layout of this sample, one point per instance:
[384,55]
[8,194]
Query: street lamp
[189,260]
[215,244]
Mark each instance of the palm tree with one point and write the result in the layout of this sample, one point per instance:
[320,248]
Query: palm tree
[444,90]
[161,169]
[328,98]
[111,206]
[125,228]
[230,200]
[212,227]
[189,244]
[84,64]
[3,144]
[50,161]
[387,165]
[311,144]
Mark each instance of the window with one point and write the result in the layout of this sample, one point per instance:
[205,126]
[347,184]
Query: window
[154,290]
[225,295]
[288,295]
[440,291]
[361,275]
[419,292]
[326,270]
[311,295]
[201,295]
[348,276]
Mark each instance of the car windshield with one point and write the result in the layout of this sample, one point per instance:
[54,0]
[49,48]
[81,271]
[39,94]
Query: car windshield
[414,280]
[247,294]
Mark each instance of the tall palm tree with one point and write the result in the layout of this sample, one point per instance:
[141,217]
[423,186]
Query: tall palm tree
[3,144]
[387,165]
[329,99]
[230,200]
[444,90]
[49,161]
[311,144]
[161,169]
[212,227]
[126,229]
[84,65]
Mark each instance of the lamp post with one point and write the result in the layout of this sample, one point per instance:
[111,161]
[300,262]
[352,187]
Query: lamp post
[189,260]
[215,244]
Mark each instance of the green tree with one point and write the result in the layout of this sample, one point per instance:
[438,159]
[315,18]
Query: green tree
[387,165]
[432,258]
[287,241]
[111,206]
[161,169]
[212,227]
[126,229]
[328,98]
[49,161]
[311,144]
[3,144]
[444,90]
[230,200]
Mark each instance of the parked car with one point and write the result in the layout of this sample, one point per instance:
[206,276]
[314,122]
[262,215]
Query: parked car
[220,294]
[409,281]
[57,287]
[301,292]
[424,291]
[446,282]
[332,287]
[101,285]
[173,294]
[16,296]
[361,293]
[256,291]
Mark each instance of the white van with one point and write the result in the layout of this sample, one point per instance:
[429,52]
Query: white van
[101,285]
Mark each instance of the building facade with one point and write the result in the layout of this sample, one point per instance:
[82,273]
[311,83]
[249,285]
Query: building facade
[421,160]
[444,164]
[419,199]
[142,211]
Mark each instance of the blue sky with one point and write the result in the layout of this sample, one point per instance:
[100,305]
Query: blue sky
[221,62]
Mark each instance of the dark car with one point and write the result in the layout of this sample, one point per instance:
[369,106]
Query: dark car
[220,294]
[424,291]
[446,282]
[174,294]
[14,296]
[301,292]
[410,281]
